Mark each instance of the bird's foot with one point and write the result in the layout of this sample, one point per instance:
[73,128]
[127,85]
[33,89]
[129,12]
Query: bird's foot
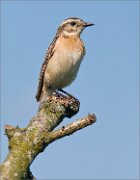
[58,94]
[70,96]
[68,101]
[67,97]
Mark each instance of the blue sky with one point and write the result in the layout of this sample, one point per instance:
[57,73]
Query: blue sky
[107,85]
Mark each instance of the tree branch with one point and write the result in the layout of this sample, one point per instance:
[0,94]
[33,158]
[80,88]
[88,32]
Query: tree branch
[73,127]
[26,143]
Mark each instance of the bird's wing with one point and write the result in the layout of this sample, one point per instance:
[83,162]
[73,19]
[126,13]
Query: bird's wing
[48,55]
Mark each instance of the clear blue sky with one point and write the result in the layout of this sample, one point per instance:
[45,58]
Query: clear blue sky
[107,84]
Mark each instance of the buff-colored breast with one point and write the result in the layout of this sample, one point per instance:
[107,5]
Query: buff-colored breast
[63,66]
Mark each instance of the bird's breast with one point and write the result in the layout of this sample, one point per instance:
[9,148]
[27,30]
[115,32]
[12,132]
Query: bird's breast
[64,64]
[71,48]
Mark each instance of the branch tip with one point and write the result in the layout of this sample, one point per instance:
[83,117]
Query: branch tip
[9,127]
[9,130]
[92,117]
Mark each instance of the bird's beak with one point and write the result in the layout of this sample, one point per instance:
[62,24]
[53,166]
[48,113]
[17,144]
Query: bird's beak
[88,24]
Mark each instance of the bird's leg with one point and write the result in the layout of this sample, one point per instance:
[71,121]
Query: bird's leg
[58,94]
[69,98]
[68,94]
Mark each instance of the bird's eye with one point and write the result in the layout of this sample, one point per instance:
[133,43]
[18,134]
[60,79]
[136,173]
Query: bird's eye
[73,23]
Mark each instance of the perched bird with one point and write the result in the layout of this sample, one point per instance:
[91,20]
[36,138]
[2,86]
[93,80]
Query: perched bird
[63,58]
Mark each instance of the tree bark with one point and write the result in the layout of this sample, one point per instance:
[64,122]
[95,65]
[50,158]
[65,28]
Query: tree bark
[26,143]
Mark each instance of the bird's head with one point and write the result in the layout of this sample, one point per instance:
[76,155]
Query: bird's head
[73,26]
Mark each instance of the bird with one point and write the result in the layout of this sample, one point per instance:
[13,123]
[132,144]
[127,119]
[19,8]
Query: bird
[63,58]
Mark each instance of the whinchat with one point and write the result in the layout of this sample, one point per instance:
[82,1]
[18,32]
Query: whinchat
[63,58]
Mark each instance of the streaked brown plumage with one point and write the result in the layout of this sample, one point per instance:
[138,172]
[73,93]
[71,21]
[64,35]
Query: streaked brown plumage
[63,58]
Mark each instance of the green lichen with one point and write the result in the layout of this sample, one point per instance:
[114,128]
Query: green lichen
[26,143]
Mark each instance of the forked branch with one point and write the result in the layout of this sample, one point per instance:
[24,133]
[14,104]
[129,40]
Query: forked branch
[26,143]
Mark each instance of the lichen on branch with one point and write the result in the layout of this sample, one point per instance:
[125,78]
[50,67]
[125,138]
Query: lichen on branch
[26,143]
